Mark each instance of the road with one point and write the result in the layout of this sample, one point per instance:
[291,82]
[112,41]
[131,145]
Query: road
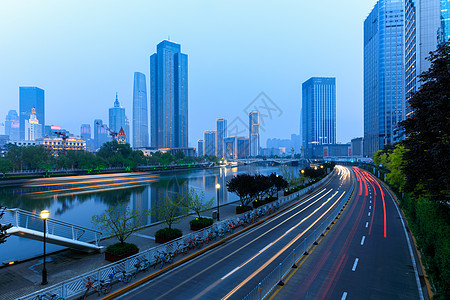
[233,269]
[365,255]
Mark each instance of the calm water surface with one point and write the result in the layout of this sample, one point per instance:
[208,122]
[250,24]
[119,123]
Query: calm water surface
[78,205]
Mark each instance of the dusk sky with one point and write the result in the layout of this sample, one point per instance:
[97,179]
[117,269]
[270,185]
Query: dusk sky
[83,52]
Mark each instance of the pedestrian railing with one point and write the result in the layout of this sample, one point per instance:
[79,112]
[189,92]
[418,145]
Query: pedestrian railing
[276,276]
[74,287]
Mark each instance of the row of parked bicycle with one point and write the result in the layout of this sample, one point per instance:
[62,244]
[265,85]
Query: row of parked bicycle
[162,258]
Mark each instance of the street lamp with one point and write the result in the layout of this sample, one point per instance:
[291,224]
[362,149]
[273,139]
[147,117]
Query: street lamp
[217,189]
[44,215]
[302,171]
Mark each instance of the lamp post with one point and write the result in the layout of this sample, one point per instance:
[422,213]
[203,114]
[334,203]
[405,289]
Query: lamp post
[44,215]
[217,189]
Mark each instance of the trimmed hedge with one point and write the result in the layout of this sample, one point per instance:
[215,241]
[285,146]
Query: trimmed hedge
[201,222]
[167,233]
[121,248]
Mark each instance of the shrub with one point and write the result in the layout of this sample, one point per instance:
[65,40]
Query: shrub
[168,233]
[121,248]
[201,222]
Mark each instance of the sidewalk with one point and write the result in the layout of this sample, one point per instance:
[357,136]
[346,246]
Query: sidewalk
[24,278]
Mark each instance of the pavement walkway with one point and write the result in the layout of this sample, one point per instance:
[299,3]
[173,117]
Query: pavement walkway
[24,278]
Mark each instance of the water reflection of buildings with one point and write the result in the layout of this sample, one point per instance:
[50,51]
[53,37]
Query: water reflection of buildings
[140,202]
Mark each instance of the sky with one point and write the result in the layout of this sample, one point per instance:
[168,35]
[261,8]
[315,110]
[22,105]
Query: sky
[241,55]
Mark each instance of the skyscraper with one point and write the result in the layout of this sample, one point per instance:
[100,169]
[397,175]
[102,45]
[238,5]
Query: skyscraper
[222,132]
[140,112]
[100,134]
[12,125]
[201,148]
[30,97]
[169,96]
[384,75]
[253,128]
[117,117]
[210,143]
[33,130]
[318,113]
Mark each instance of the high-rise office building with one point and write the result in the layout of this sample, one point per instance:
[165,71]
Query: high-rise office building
[243,147]
[117,117]
[253,128]
[85,133]
[222,132]
[12,125]
[201,148]
[169,96]
[210,143]
[30,97]
[100,134]
[230,147]
[318,113]
[33,130]
[140,112]
[384,75]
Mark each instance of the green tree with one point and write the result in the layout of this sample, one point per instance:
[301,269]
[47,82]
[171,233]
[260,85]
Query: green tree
[120,221]
[170,209]
[5,165]
[242,186]
[395,163]
[428,131]
[196,201]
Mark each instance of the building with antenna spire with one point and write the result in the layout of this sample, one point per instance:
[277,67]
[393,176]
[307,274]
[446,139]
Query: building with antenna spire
[117,118]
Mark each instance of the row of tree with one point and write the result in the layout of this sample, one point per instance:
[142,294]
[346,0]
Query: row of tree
[255,187]
[111,154]
[417,169]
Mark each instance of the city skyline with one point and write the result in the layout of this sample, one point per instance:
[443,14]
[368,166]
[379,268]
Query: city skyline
[116,65]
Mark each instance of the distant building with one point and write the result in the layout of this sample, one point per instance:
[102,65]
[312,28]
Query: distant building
[384,74]
[86,135]
[201,148]
[29,98]
[100,134]
[267,152]
[318,113]
[332,150]
[243,147]
[121,137]
[186,151]
[253,125]
[169,96]
[117,117]
[57,145]
[210,143]
[222,132]
[230,147]
[140,112]
[12,125]
[357,146]
[33,130]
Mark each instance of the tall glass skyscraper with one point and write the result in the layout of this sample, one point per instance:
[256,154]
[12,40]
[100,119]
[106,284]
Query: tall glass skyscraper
[210,145]
[30,97]
[253,128]
[384,75]
[222,132]
[169,96]
[318,113]
[140,112]
[117,117]
[12,125]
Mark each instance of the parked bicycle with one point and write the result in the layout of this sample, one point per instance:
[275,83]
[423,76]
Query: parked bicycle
[98,286]
[121,276]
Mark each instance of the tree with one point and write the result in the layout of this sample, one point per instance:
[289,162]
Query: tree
[5,166]
[196,202]
[3,227]
[395,163]
[169,209]
[120,221]
[241,185]
[428,131]
[278,182]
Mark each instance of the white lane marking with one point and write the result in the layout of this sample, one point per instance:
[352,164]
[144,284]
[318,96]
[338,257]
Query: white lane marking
[144,236]
[363,239]
[344,296]
[370,201]
[370,207]
[234,270]
[367,224]
[369,213]
[264,249]
[355,264]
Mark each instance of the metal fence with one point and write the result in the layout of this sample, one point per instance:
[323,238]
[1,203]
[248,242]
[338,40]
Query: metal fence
[75,287]
[277,275]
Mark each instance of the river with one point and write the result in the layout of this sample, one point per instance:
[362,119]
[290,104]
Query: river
[77,204]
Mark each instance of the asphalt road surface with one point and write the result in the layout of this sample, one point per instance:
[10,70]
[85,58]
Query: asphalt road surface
[366,254]
[233,269]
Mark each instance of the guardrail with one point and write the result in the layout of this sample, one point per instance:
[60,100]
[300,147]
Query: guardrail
[24,219]
[74,287]
[277,275]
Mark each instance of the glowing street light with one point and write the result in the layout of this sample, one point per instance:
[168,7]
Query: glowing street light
[44,215]
[217,189]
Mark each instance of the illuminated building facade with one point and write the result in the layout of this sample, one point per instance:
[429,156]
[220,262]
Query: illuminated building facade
[253,125]
[58,145]
[33,130]
[29,98]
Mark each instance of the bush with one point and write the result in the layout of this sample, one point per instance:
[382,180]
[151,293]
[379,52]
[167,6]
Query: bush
[168,233]
[201,222]
[121,248]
